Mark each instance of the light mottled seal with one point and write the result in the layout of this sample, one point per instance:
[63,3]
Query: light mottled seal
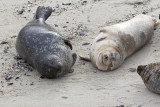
[151,76]
[43,47]
[116,42]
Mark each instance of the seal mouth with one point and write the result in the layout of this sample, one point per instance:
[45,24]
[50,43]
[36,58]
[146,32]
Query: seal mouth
[108,60]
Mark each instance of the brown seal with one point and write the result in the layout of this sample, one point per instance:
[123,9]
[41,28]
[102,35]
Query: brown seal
[116,42]
[151,76]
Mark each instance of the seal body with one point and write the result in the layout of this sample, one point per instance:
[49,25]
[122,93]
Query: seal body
[116,42]
[150,75]
[43,47]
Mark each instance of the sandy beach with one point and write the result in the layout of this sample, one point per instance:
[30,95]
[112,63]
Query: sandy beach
[80,21]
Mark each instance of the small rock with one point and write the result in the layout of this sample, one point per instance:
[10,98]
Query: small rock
[133,15]
[64,97]
[30,69]
[95,71]
[81,33]
[57,6]
[13,36]
[6,49]
[53,10]
[29,2]
[10,83]
[17,57]
[139,105]
[55,25]
[120,106]
[32,83]
[85,43]
[27,74]
[84,2]
[144,12]
[19,64]
[8,78]
[132,69]
[4,42]
[64,26]
[16,78]
[66,3]
[21,11]
[71,71]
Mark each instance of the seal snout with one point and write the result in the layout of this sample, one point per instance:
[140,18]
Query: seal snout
[52,70]
[56,67]
[140,69]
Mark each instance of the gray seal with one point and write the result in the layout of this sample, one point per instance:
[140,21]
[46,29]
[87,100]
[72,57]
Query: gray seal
[44,48]
[150,75]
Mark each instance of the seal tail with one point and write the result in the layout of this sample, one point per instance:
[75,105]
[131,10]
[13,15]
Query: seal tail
[43,12]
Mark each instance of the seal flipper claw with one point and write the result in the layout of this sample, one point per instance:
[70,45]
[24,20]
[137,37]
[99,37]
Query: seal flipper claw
[43,12]
[74,55]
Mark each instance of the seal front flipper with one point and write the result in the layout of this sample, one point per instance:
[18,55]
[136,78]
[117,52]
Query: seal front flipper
[84,57]
[43,12]
[67,42]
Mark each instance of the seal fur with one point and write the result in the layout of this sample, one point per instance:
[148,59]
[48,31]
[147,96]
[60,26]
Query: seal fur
[150,75]
[43,47]
[116,42]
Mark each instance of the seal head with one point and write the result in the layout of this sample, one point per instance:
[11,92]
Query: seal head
[150,75]
[105,54]
[108,59]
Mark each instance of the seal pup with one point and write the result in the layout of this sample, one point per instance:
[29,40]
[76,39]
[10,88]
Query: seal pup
[116,42]
[43,47]
[150,75]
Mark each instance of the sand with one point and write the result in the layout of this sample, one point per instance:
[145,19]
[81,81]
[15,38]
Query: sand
[86,86]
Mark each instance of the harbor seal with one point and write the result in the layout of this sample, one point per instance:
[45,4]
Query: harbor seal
[43,47]
[116,42]
[150,75]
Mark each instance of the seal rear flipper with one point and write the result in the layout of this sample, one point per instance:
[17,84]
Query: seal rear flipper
[74,55]
[84,57]
[43,12]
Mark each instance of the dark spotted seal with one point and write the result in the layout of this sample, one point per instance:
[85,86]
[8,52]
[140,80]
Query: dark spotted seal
[115,43]
[151,76]
[43,47]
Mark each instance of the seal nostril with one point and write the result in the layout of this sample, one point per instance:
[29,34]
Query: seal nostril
[106,57]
